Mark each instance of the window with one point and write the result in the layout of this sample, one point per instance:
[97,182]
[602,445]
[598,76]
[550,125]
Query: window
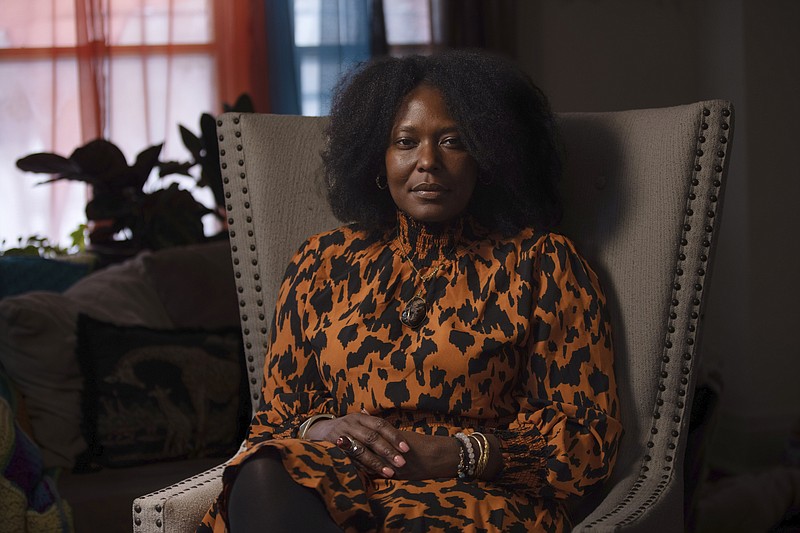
[331,36]
[156,70]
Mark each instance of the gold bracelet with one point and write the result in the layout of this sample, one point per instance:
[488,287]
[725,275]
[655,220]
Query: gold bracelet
[311,420]
[483,461]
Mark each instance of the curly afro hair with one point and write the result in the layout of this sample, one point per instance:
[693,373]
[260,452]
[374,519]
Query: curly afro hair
[504,120]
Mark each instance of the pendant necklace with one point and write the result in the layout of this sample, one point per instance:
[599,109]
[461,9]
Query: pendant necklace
[415,309]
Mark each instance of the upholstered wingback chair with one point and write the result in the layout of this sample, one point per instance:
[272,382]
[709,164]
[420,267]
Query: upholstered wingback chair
[643,197]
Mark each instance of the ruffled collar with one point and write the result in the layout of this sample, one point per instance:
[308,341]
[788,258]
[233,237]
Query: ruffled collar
[428,242]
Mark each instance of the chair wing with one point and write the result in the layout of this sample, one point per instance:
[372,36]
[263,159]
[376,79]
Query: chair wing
[643,194]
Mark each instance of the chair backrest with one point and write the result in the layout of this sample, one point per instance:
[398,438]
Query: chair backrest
[642,193]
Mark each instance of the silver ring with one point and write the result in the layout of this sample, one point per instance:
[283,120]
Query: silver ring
[356,449]
[350,446]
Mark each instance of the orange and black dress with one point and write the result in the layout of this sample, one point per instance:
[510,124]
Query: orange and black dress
[516,341]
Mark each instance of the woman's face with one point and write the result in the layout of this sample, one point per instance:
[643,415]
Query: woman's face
[430,174]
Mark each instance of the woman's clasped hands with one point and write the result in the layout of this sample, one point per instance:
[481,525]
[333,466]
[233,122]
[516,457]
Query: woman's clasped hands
[387,452]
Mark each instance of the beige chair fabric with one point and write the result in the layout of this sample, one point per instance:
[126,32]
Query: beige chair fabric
[643,193]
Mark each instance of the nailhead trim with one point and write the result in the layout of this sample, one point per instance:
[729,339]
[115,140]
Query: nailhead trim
[243,246]
[203,478]
[684,315]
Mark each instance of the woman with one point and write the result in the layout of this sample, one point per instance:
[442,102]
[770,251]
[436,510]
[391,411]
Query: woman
[443,361]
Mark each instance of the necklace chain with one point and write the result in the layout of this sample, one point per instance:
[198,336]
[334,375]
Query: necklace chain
[423,279]
[415,309]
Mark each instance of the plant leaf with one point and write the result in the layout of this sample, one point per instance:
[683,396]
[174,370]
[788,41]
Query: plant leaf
[100,159]
[145,161]
[243,104]
[46,162]
[165,168]
[191,142]
[208,129]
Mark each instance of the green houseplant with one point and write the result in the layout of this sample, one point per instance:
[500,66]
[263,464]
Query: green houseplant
[119,204]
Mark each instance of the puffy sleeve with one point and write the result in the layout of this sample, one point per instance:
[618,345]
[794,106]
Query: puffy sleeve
[293,390]
[565,436]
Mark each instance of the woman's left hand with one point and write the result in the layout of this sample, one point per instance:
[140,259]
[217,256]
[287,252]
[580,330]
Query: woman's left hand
[428,457]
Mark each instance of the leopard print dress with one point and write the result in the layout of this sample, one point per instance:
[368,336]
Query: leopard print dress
[516,342]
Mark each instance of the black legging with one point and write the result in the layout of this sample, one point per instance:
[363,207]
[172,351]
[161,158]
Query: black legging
[264,497]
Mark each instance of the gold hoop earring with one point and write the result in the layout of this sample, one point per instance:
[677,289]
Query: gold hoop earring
[381,185]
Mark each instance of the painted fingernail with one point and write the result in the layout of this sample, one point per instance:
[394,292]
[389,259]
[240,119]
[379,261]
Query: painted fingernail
[403,447]
[386,471]
[398,460]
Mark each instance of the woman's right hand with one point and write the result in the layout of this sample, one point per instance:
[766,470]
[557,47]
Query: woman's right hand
[382,445]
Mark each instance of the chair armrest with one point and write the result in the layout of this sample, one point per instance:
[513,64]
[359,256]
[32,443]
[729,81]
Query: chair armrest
[652,504]
[179,507]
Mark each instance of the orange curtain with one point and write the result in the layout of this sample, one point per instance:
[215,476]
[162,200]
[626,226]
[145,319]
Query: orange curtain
[241,48]
[91,25]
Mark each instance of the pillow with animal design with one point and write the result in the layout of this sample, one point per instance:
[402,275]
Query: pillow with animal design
[152,395]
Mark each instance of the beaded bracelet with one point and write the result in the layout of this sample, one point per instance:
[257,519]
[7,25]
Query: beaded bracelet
[470,466]
[460,472]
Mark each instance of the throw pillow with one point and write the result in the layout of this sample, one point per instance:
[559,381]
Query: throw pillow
[152,395]
[37,347]
[176,273]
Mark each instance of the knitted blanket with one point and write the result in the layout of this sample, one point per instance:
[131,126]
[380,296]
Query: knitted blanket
[29,501]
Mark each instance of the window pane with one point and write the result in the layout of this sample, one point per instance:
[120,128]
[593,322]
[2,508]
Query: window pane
[135,22]
[307,23]
[37,24]
[407,21]
[32,93]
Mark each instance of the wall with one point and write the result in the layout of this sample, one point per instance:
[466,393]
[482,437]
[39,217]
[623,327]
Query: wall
[593,55]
